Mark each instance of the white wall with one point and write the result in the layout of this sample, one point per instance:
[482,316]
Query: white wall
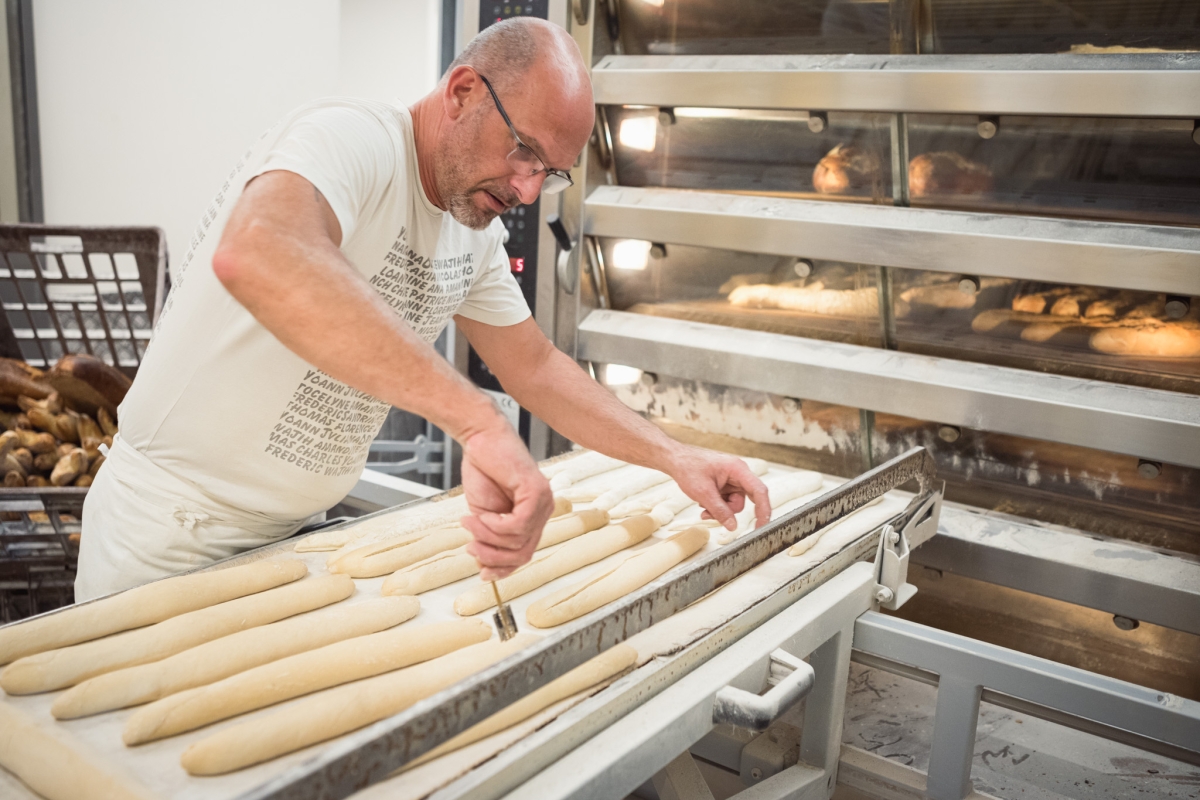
[145,105]
[389,48]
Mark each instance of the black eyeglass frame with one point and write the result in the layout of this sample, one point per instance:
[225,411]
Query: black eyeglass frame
[551,172]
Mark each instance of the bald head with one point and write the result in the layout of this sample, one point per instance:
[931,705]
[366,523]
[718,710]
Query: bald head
[507,51]
[473,162]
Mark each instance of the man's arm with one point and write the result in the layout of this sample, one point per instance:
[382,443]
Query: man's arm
[546,381]
[279,257]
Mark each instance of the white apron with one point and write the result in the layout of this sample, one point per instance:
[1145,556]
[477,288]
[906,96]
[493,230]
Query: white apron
[141,523]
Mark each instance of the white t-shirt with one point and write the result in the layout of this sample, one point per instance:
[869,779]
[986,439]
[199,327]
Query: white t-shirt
[220,403]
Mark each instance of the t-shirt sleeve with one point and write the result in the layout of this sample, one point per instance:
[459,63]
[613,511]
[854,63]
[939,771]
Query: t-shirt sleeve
[495,297]
[346,153]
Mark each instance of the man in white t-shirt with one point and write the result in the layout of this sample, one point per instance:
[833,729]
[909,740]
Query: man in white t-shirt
[338,249]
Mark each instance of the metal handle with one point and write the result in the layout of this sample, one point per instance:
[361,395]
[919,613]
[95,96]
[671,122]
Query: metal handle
[756,712]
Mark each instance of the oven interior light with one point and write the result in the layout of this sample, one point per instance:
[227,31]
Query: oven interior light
[639,133]
[621,375]
[631,254]
[654,3]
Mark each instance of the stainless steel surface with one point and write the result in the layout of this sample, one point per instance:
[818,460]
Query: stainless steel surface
[1140,422]
[1142,257]
[1131,85]
[525,759]
[1125,579]
[1163,723]
[370,755]
[618,759]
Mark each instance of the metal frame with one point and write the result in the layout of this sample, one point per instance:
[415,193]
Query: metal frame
[627,753]
[1123,85]
[1147,423]
[967,671]
[1153,258]
[362,758]
[1119,577]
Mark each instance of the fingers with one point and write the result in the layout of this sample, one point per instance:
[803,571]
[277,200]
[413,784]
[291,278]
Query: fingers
[749,483]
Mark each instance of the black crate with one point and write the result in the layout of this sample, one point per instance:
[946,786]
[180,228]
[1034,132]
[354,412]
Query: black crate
[67,289]
[80,290]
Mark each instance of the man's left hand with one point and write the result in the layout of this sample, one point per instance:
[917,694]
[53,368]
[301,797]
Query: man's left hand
[720,484]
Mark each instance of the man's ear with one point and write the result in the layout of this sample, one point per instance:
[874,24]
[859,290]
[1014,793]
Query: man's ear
[461,84]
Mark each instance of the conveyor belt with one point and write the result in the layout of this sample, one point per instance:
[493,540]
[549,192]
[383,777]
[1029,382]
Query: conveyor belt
[355,760]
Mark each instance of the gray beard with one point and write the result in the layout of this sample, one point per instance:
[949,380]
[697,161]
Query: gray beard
[465,212]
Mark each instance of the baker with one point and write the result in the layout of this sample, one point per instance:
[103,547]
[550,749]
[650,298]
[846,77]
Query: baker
[335,253]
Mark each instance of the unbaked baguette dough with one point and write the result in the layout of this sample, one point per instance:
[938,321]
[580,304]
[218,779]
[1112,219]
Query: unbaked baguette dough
[644,502]
[332,665]
[341,710]
[609,664]
[384,558]
[594,464]
[143,605]
[56,669]
[635,485]
[809,542]
[432,573]
[587,491]
[636,571]
[433,514]
[56,770]
[229,655]
[577,553]
[457,564]
[782,489]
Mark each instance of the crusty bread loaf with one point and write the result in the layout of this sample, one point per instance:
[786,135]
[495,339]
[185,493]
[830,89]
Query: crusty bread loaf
[18,379]
[846,169]
[947,172]
[88,384]
[1164,340]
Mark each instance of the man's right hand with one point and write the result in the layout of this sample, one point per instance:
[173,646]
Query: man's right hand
[510,500]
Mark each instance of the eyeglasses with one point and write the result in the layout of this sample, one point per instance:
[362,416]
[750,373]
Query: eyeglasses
[524,161]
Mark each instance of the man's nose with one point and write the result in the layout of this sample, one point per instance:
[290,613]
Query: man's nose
[527,187]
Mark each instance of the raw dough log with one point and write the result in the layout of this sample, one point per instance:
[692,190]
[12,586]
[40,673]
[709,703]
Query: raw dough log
[432,573]
[56,669]
[229,655]
[578,553]
[458,564]
[594,464]
[639,483]
[144,605]
[332,665]
[645,502]
[635,572]
[561,506]
[609,664]
[588,490]
[341,710]
[668,509]
[783,489]
[809,542]
[384,558]
[838,302]
[579,458]
[434,514]
[1167,340]
[54,769]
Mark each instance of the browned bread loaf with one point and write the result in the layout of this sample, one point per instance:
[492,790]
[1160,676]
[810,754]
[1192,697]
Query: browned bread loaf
[19,379]
[947,173]
[845,169]
[88,384]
